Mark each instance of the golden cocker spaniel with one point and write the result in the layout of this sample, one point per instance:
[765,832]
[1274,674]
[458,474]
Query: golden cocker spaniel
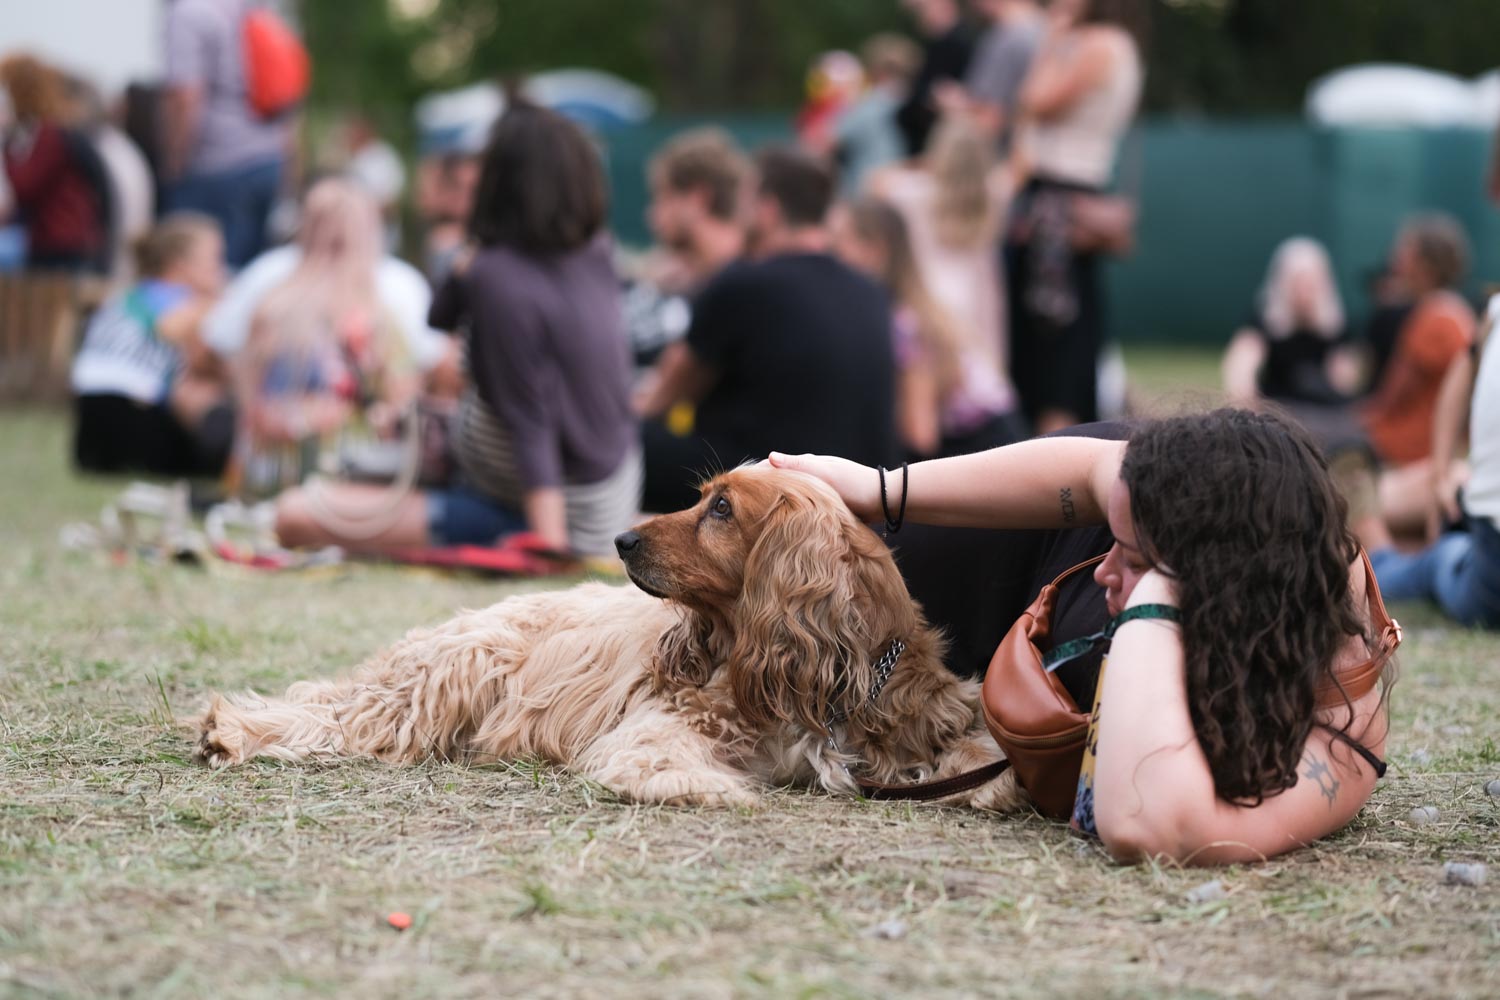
[769,640]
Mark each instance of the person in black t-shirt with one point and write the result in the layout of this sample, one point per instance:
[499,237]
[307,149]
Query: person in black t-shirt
[1293,350]
[791,348]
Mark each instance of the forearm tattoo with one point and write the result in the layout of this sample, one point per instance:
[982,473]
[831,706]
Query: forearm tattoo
[1319,771]
[1068,512]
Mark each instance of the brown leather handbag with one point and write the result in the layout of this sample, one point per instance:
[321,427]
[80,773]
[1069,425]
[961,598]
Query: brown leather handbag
[1041,729]
[1102,223]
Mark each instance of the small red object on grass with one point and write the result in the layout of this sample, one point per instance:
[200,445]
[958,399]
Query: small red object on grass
[400,921]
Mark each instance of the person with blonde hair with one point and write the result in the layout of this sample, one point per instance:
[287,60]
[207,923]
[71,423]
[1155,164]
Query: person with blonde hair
[1291,351]
[947,402]
[323,352]
[953,201]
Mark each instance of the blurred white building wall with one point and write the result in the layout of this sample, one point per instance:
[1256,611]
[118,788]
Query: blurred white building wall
[108,42]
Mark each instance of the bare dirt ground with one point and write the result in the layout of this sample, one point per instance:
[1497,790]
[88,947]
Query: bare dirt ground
[127,870]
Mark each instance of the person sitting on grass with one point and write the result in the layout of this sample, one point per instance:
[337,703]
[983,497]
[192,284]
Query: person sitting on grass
[1428,263]
[145,395]
[543,441]
[1232,724]
[1460,570]
[325,366]
[1291,349]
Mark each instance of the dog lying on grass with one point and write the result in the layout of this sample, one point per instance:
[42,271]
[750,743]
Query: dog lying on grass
[769,640]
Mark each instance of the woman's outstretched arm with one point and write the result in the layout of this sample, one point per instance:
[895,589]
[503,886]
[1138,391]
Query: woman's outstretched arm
[1045,483]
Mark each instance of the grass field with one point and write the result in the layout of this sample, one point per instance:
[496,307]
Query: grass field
[125,869]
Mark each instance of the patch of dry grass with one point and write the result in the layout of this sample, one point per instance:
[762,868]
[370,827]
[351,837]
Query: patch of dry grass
[126,869]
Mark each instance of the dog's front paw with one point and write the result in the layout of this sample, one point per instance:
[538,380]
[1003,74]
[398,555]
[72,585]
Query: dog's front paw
[694,788]
[219,745]
[723,798]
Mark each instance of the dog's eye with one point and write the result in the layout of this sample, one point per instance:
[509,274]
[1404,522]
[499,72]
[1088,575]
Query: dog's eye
[720,508]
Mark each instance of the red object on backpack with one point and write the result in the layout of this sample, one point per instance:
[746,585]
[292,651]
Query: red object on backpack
[277,69]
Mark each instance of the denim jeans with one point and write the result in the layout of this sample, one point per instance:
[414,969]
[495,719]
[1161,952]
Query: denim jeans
[240,200]
[1460,572]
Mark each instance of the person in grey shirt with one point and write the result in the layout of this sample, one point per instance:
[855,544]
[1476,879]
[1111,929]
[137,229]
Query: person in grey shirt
[221,157]
[992,86]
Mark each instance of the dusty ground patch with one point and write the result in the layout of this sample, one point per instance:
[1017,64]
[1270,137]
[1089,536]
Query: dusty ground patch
[125,869]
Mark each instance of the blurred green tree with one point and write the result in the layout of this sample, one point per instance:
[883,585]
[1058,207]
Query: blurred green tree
[1206,56]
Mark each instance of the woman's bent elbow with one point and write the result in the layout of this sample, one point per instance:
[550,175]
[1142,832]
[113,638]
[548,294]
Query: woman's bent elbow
[1142,834]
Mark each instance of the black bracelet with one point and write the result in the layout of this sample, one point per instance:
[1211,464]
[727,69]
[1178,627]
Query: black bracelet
[893,525]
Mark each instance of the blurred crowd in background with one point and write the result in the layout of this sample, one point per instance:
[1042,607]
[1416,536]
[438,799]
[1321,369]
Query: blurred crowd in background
[919,274]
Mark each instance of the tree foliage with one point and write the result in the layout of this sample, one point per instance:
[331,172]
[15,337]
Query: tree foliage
[1208,56]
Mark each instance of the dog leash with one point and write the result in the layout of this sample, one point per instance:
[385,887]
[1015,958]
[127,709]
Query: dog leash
[940,788]
[920,791]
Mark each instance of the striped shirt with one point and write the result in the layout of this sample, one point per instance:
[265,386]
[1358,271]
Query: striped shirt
[122,353]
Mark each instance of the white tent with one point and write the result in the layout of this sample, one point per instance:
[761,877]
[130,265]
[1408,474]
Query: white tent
[460,120]
[1388,94]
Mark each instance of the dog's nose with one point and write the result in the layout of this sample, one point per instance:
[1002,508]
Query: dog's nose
[626,542]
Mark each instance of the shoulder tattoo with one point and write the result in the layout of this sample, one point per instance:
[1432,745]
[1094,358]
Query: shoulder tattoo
[1319,771]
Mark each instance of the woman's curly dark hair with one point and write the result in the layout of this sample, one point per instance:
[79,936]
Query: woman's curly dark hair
[1239,509]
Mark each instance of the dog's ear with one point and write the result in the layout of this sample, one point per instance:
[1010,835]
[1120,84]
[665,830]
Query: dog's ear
[821,592]
[684,653]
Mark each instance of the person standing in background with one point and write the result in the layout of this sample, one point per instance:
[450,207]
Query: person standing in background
[865,136]
[132,206]
[375,165]
[221,157]
[1075,109]
[948,402]
[58,196]
[992,85]
[945,57]
[954,201]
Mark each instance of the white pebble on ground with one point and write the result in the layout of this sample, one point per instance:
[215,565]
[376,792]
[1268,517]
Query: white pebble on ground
[1458,873]
[1493,788]
[1208,892]
[1422,815]
[889,930]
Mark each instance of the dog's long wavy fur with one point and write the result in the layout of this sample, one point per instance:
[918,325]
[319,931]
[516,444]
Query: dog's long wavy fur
[755,617]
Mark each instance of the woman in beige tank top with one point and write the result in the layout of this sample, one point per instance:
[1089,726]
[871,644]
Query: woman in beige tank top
[1076,106]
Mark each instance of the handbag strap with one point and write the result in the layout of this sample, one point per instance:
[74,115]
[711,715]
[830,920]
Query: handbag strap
[1086,564]
[1075,648]
[1353,683]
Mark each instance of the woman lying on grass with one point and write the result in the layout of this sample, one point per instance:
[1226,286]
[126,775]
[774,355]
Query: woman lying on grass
[1216,745]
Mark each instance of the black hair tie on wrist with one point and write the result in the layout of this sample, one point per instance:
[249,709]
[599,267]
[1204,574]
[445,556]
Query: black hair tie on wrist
[893,525]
